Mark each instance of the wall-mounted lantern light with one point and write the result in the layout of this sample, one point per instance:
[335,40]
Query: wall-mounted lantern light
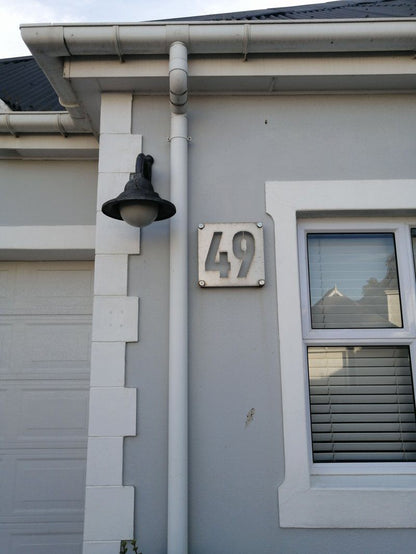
[139,205]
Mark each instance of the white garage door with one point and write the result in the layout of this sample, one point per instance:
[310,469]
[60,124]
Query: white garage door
[45,324]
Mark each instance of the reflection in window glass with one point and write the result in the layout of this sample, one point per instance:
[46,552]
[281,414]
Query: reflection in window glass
[353,280]
[362,404]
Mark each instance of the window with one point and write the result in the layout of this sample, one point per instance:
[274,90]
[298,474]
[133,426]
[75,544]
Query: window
[361,397]
[347,332]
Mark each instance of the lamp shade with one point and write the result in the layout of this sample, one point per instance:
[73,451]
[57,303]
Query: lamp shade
[139,204]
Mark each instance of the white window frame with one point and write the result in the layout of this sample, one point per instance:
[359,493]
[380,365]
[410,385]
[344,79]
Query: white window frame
[350,495]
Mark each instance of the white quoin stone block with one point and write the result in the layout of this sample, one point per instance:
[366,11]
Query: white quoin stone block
[110,185]
[112,412]
[115,236]
[108,364]
[116,112]
[108,547]
[118,153]
[111,274]
[105,461]
[115,319]
[109,513]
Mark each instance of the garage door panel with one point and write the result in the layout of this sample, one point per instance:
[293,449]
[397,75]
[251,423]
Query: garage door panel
[58,281]
[42,486]
[7,283]
[43,542]
[4,283]
[43,412]
[45,334]
[59,288]
[57,343]
[6,490]
[7,422]
[56,414]
[46,288]
[6,343]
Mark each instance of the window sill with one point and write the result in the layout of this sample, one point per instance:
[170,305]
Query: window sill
[349,501]
[364,481]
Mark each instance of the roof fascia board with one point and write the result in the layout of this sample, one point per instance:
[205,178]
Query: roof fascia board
[261,75]
[210,67]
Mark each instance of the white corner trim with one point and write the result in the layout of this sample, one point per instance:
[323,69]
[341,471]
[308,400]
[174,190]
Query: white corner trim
[109,506]
[122,151]
[108,513]
[377,495]
[112,412]
[105,461]
[111,274]
[100,547]
[115,319]
[47,237]
[107,364]
[116,237]
[109,186]
[116,108]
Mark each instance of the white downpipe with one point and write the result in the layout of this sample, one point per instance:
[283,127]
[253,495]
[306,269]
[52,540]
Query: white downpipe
[178,309]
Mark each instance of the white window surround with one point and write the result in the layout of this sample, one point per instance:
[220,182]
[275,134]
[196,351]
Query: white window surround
[332,495]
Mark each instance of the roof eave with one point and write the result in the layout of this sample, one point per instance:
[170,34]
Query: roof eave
[52,44]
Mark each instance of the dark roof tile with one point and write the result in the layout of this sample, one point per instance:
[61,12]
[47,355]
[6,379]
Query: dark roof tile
[344,9]
[24,87]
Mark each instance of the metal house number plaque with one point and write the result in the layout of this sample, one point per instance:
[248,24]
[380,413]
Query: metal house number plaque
[230,255]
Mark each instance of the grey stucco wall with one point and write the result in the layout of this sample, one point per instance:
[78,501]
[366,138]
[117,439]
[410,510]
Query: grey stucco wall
[58,192]
[238,143]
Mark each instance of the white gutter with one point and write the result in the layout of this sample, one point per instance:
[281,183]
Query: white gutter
[178,307]
[16,123]
[361,35]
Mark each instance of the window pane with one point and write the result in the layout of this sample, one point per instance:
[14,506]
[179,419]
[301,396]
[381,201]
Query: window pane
[353,280]
[362,404]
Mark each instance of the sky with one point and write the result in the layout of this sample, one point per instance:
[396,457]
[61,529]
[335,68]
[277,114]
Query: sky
[15,12]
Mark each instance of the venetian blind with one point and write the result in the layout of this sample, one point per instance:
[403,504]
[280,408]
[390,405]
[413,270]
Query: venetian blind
[353,281]
[362,404]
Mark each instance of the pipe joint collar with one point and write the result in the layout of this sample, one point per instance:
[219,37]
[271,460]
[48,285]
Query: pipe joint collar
[178,77]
